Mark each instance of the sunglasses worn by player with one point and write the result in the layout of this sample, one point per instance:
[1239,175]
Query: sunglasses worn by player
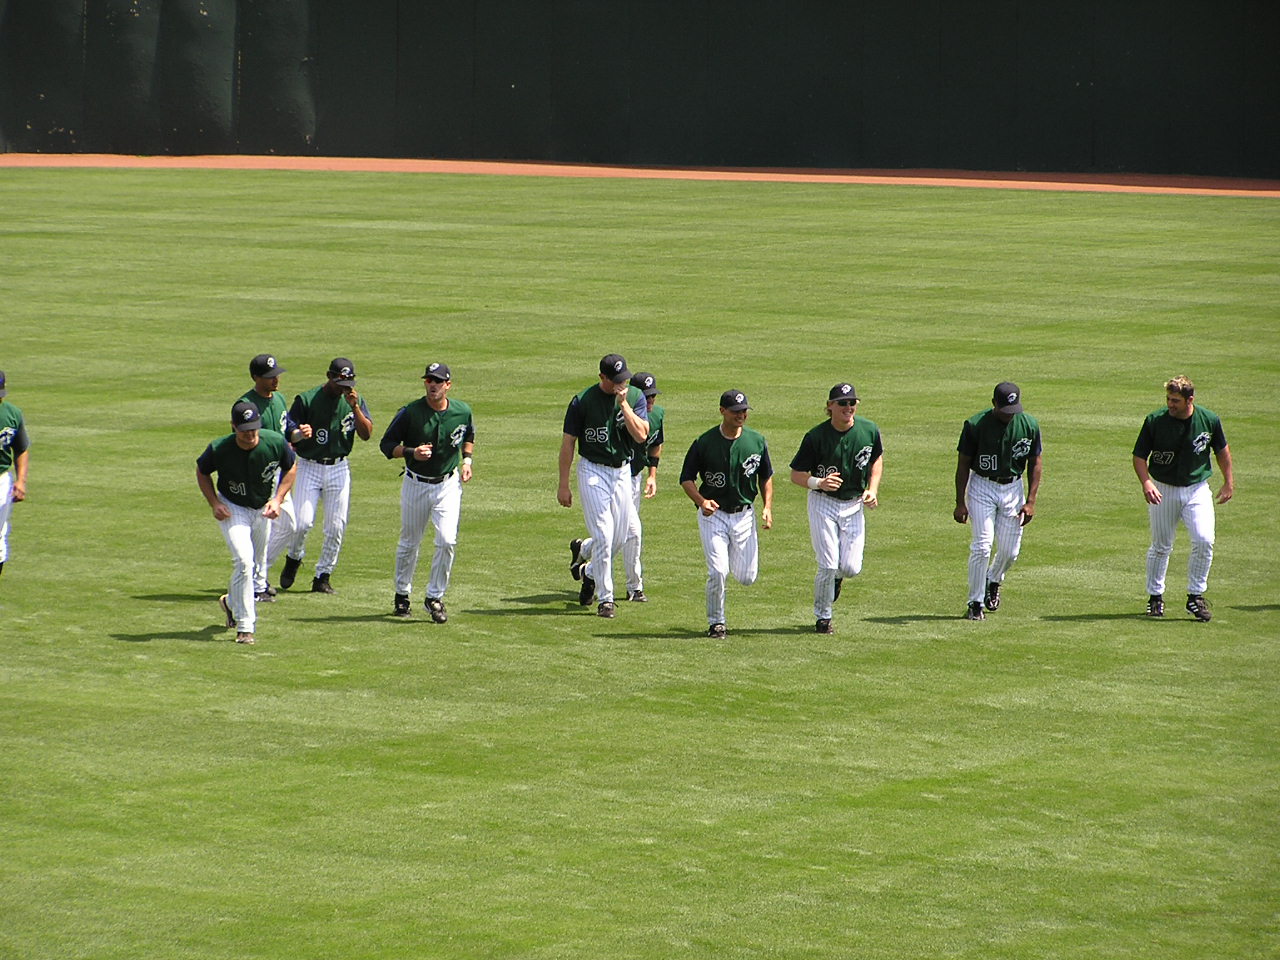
[845,403]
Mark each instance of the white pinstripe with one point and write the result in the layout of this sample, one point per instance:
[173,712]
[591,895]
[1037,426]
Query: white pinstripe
[729,543]
[1193,506]
[246,534]
[995,513]
[837,529]
[441,504]
[606,506]
[6,505]
[316,482]
[280,532]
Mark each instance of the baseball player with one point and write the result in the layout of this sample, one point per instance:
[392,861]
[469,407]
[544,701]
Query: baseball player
[248,462]
[644,485]
[434,437]
[996,446]
[336,415]
[1171,459]
[265,371]
[13,465]
[733,461]
[840,462]
[605,422]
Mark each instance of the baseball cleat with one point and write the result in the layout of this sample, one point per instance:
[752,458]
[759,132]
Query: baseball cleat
[321,584]
[607,610]
[824,626]
[637,596]
[975,611]
[1155,605]
[289,573]
[717,631]
[992,600]
[435,607]
[243,637]
[839,584]
[401,605]
[226,609]
[588,590]
[265,597]
[575,553]
[1198,607]
[576,569]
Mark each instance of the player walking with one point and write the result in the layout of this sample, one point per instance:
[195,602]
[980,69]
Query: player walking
[336,415]
[644,457]
[1171,459]
[247,462]
[604,421]
[435,437]
[996,446]
[13,465]
[840,462]
[265,371]
[733,461]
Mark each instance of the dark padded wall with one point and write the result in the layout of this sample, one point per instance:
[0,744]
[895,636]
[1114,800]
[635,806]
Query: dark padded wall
[1162,86]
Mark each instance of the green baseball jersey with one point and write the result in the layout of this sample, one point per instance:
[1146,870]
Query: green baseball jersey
[732,470]
[640,456]
[247,477]
[824,450]
[274,413]
[999,450]
[596,419]
[333,424]
[446,430]
[13,435]
[1177,451]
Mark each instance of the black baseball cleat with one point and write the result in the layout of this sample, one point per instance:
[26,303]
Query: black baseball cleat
[992,600]
[839,584]
[588,591]
[637,596]
[824,626]
[266,596]
[435,607]
[576,569]
[1155,605]
[607,610]
[1198,607]
[401,605]
[289,573]
[226,610]
[975,611]
[575,554]
[320,584]
[717,631]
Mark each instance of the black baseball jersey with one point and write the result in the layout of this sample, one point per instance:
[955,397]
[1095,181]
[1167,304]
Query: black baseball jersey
[596,419]
[997,450]
[446,430]
[333,424]
[732,470]
[1177,451]
[825,450]
[247,478]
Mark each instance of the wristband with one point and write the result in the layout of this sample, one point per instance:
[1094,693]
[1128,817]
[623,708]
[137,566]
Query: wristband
[466,461]
[814,482]
[652,461]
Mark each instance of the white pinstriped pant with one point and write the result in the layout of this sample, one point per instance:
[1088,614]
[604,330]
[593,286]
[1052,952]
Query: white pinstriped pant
[6,506]
[279,535]
[316,482]
[635,535]
[1193,505]
[605,493]
[441,503]
[246,533]
[837,529]
[729,543]
[995,512]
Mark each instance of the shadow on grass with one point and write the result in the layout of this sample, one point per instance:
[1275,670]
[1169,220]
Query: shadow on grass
[1258,607]
[682,633]
[181,597]
[203,635]
[914,618]
[1086,617]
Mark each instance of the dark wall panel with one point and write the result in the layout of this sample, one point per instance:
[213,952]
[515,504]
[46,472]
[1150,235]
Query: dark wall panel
[275,102]
[435,92]
[900,72]
[977,92]
[1052,84]
[669,60]
[41,58]
[121,110]
[355,67]
[195,75]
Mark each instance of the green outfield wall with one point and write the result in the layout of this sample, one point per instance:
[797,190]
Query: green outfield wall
[1159,86]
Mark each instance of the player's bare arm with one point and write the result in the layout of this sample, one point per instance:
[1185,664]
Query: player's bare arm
[464,471]
[766,512]
[364,426]
[961,512]
[706,505]
[1149,491]
[272,509]
[1034,474]
[205,482]
[1228,490]
[19,489]
[651,481]
[871,495]
[564,496]
[636,425]
[829,483]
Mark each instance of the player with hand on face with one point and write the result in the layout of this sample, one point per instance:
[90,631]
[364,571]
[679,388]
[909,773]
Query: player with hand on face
[13,465]
[1171,459]
[733,461]
[840,462]
[247,462]
[434,436]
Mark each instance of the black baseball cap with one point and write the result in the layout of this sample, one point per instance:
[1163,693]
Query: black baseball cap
[646,383]
[1007,398]
[437,371]
[3,391]
[843,391]
[245,416]
[343,372]
[265,365]
[734,400]
[614,366]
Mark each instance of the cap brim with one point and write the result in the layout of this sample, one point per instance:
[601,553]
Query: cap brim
[245,427]
[619,377]
[268,374]
[345,383]
[1012,408]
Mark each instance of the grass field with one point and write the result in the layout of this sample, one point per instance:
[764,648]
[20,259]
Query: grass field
[1065,780]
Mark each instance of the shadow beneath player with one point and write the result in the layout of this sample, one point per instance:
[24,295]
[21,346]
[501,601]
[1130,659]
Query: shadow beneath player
[914,618]
[203,635]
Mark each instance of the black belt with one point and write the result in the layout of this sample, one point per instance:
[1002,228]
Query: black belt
[615,466]
[327,461]
[745,506]
[421,479]
[1004,480]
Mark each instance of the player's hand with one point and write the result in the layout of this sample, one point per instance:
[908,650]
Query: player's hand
[766,517]
[1026,514]
[961,514]
[422,451]
[708,507]
[221,512]
[1226,493]
[272,510]
[1151,494]
[564,497]
[650,488]
[870,499]
[353,398]
[20,491]
[306,430]
[464,472]
[620,391]
[831,482]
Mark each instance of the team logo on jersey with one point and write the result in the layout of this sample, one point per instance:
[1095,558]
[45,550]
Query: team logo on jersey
[751,464]
[1201,443]
[269,471]
[349,423]
[1021,448]
[459,432]
[863,457]
[6,437]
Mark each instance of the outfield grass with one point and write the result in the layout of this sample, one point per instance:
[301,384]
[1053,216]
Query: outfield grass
[1065,780]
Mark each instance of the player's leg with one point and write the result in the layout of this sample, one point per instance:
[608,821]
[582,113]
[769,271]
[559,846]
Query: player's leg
[6,508]
[337,499]
[824,534]
[445,515]
[415,508]
[853,539]
[982,502]
[1163,517]
[715,548]
[282,531]
[635,536]
[596,488]
[744,553]
[1198,517]
[307,484]
[1008,532]
[238,532]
